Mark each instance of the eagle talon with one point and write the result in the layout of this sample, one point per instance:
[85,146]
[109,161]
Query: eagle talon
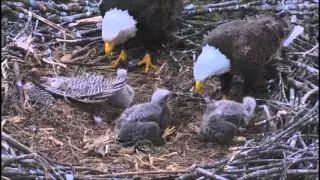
[147,61]
[168,132]
[225,97]
[122,56]
[239,139]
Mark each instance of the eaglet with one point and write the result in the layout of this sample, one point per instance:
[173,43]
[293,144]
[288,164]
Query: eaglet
[146,120]
[222,119]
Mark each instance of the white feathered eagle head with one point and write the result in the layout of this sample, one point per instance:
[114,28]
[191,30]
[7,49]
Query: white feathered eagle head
[117,27]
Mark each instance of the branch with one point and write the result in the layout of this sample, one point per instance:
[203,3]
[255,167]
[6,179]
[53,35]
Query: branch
[308,94]
[129,174]
[15,143]
[69,33]
[209,174]
[18,80]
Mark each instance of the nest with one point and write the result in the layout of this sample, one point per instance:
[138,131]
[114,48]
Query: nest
[62,142]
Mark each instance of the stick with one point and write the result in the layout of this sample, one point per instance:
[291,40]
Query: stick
[15,143]
[70,33]
[18,79]
[209,174]
[6,86]
[308,94]
[130,174]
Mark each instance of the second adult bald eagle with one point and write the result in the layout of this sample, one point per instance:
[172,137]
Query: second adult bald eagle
[146,21]
[240,47]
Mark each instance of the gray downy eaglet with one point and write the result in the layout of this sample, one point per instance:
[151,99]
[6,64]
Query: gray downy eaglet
[222,119]
[146,120]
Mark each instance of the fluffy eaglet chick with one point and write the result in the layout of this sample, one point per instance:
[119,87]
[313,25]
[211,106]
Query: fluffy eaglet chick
[146,120]
[241,47]
[222,119]
[148,22]
[124,97]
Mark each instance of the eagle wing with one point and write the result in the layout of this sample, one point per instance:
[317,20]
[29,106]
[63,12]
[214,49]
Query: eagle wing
[89,88]
[137,8]
[156,15]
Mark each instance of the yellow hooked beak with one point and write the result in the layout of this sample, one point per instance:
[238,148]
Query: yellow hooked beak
[198,86]
[108,47]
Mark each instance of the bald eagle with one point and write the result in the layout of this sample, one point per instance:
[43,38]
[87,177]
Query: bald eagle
[143,20]
[241,47]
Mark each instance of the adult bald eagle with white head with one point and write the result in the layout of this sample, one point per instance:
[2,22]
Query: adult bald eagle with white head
[241,47]
[146,21]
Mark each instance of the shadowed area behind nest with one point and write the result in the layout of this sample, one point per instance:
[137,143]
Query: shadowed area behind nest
[241,47]
[148,22]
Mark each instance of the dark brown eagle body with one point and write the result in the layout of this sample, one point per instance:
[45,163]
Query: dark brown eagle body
[249,45]
[155,18]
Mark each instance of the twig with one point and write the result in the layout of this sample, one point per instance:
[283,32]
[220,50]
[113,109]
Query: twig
[302,171]
[76,16]
[222,9]
[307,52]
[300,86]
[308,94]
[222,4]
[305,118]
[6,86]
[15,159]
[83,40]
[304,66]
[261,173]
[89,31]
[5,178]
[15,143]
[209,174]
[70,33]
[25,27]
[18,80]
[130,174]
[52,61]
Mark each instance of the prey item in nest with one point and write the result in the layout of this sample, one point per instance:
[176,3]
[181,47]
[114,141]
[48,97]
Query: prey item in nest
[38,95]
[148,22]
[145,120]
[86,88]
[241,47]
[222,119]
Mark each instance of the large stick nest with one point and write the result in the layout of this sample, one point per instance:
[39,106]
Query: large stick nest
[62,142]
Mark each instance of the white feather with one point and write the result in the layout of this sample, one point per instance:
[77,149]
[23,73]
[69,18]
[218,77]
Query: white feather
[114,21]
[295,33]
[56,82]
[159,94]
[121,72]
[210,62]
